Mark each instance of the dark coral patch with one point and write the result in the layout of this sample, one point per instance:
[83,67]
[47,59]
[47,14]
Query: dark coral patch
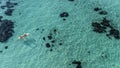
[98,28]
[6,30]
[10,4]
[2,7]
[105,22]
[9,12]
[115,33]
[102,28]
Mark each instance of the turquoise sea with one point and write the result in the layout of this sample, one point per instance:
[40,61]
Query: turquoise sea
[73,37]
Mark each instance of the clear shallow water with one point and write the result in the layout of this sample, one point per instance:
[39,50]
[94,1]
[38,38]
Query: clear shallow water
[75,34]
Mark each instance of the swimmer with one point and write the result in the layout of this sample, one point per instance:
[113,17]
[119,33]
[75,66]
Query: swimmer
[23,36]
[31,42]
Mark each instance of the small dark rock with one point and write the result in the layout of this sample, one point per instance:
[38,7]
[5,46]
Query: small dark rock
[37,29]
[60,43]
[69,64]
[6,47]
[89,52]
[97,9]
[70,0]
[55,30]
[64,19]
[44,38]
[78,64]
[47,45]
[53,41]
[1,51]
[103,13]
[49,37]
[64,14]
[104,56]
[19,13]
[52,45]
[51,49]
[15,3]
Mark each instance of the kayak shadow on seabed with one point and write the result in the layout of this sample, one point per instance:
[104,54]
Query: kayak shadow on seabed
[31,42]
